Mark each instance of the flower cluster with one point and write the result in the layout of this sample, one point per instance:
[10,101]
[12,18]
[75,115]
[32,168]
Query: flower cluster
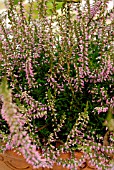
[60,71]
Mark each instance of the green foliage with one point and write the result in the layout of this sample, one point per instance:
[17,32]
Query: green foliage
[109,122]
[16,2]
[61,76]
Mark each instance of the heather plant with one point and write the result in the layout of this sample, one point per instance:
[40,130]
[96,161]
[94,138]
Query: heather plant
[59,82]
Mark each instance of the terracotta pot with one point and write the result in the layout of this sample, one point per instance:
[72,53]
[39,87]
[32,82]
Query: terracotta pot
[10,160]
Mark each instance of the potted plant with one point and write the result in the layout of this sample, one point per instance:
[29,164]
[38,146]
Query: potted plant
[56,90]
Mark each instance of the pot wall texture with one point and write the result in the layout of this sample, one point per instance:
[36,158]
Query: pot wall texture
[10,160]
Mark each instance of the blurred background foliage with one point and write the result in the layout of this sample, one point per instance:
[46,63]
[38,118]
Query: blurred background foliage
[27,4]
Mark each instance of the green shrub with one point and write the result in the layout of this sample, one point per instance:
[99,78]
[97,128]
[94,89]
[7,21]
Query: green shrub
[60,71]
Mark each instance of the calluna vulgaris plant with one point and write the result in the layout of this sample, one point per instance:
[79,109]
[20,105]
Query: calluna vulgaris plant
[60,70]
